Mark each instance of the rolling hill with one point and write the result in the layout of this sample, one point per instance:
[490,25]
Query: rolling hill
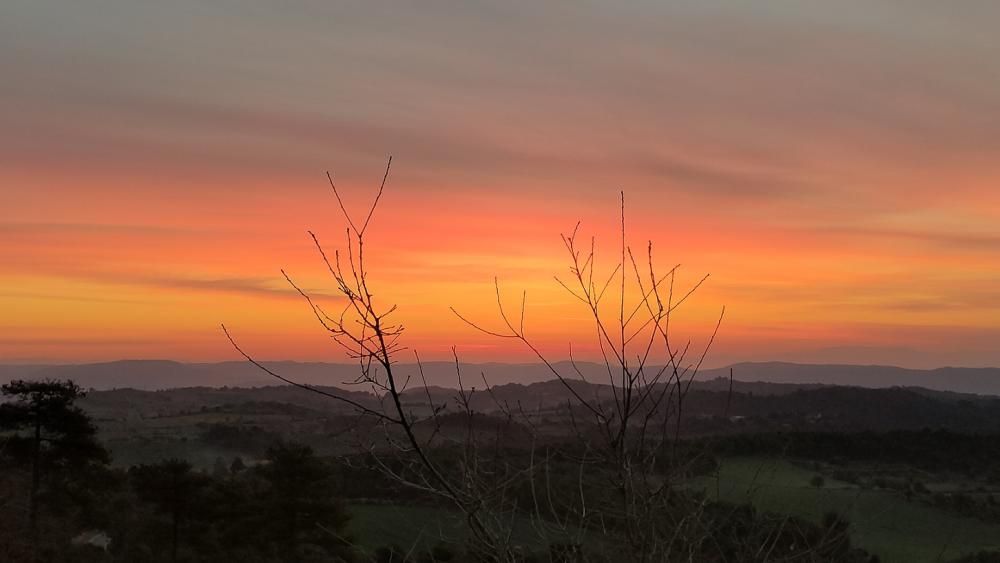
[765,377]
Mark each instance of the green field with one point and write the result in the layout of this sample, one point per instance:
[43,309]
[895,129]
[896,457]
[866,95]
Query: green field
[883,522]
[421,527]
[377,525]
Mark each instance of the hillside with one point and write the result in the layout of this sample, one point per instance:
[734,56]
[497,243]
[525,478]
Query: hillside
[707,410]
[769,377]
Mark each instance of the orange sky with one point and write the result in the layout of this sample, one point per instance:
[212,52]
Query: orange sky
[834,169]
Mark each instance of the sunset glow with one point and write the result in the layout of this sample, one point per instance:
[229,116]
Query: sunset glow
[836,176]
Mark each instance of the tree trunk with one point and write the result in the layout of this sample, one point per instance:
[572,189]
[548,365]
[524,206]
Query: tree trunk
[175,535]
[36,474]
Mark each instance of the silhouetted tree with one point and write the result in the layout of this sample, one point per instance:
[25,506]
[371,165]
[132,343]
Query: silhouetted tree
[220,470]
[300,511]
[173,489]
[49,434]
[237,466]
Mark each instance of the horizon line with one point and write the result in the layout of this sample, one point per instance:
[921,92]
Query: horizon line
[47,363]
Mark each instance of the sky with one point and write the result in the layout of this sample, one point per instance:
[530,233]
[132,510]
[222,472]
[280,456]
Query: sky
[832,165]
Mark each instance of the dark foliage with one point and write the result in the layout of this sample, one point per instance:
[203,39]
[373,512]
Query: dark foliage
[932,450]
[980,557]
[284,510]
[48,451]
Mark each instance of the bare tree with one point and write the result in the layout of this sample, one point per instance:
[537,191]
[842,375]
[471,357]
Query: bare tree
[615,484]
[639,425]
[365,329]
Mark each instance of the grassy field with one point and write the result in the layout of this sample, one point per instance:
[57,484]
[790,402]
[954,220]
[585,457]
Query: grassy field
[883,522]
[420,528]
[377,525]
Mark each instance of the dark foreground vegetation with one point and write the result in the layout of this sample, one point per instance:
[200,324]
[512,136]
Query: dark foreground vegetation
[265,498]
[63,502]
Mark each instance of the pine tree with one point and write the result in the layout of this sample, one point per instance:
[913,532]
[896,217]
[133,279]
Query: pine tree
[174,490]
[49,434]
[303,514]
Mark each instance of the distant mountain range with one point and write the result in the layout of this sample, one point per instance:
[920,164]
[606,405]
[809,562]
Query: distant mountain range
[164,374]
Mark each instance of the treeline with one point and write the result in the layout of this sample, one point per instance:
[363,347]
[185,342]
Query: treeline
[61,501]
[930,450]
[838,409]
[283,509]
